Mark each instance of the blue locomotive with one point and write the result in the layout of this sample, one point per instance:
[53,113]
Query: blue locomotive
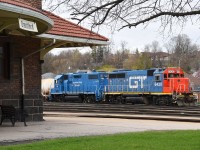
[155,86]
[88,87]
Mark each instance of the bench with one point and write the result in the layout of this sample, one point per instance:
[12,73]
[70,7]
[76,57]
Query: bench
[10,112]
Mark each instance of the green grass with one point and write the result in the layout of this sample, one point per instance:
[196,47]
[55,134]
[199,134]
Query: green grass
[153,140]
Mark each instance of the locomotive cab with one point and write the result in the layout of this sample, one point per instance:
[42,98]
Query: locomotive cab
[57,91]
[158,78]
[175,83]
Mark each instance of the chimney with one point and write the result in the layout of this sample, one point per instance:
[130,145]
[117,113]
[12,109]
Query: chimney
[35,3]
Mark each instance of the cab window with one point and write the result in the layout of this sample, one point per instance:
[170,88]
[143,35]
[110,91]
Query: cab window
[171,75]
[65,77]
[56,81]
[176,75]
[165,76]
[157,77]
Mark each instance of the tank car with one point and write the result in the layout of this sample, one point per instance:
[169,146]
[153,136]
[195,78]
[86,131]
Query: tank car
[155,86]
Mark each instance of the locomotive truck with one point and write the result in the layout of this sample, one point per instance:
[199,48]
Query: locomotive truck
[157,86]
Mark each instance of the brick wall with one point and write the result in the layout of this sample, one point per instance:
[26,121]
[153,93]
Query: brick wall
[11,89]
[34,3]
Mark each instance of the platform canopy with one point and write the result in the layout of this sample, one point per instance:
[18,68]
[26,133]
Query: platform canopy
[13,11]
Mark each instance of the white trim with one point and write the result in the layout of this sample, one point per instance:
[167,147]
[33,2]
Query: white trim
[74,39]
[27,12]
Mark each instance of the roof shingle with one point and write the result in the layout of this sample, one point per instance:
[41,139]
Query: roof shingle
[64,27]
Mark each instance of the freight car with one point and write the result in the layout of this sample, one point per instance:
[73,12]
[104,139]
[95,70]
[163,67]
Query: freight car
[155,86]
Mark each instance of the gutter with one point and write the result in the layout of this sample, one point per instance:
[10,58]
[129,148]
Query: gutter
[75,39]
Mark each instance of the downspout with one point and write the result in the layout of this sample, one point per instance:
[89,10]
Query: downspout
[22,69]
[23,86]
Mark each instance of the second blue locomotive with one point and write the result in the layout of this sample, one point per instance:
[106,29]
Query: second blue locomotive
[87,86]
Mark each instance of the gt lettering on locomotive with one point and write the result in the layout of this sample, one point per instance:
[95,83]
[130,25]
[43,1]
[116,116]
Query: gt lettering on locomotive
[136,81]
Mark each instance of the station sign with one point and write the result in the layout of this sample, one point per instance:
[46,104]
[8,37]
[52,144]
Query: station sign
[27,25]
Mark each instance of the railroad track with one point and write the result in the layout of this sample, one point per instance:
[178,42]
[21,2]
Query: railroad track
[124,110]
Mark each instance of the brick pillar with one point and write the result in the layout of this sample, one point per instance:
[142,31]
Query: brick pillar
[35,3]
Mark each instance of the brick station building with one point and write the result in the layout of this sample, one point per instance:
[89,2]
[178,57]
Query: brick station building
[27,33]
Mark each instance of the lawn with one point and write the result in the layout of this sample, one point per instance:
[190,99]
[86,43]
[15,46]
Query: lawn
[151,140]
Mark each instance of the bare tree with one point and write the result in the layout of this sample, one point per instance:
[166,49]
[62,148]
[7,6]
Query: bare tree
[183,53]
[155,49]
[129,13]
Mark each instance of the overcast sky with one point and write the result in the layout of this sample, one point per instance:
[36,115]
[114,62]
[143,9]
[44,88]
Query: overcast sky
[138,37]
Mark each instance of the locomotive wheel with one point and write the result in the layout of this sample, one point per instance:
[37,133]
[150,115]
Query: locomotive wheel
[88,99]
[92,99]
[111,100]
[185,103]
[106,98]
[123,101]
[146,100]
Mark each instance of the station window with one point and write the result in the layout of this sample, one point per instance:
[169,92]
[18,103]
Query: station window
[4,61]
[1,61]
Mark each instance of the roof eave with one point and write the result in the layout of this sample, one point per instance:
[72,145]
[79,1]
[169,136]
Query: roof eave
[75,39]
[28,12]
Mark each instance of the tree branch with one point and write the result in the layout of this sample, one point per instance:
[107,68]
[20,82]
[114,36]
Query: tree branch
[173,14]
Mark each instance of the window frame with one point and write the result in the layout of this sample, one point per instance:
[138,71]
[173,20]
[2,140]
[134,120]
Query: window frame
[157,78]
[5,75]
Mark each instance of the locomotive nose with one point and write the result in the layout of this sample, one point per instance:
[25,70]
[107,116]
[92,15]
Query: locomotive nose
[180,85]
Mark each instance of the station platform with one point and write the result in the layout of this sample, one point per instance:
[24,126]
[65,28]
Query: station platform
[60,125]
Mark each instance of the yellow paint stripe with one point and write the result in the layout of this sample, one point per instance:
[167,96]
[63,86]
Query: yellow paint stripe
[139,93]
